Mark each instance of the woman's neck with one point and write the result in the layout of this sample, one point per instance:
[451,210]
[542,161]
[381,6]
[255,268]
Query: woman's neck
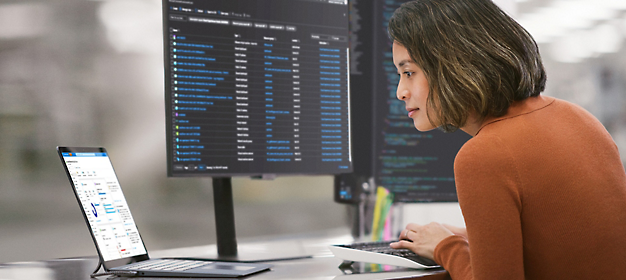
[473,125]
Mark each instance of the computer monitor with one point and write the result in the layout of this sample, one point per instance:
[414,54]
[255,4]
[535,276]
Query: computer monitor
[255,88]
[388,150]
[348,187]
[415,166]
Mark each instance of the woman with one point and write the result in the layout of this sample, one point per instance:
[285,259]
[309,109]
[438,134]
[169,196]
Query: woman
[541,184]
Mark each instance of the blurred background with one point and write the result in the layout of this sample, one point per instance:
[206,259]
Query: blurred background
[90,73]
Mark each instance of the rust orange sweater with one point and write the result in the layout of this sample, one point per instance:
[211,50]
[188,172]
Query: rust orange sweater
[543,194]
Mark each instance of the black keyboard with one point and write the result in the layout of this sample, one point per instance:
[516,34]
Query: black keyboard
[384,249]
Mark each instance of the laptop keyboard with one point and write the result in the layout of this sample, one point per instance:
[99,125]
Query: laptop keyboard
[166,265]
[382,247]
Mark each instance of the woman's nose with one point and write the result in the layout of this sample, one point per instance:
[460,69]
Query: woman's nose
[401,92]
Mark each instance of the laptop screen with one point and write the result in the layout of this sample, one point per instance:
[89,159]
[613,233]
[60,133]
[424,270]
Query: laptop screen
[103,202]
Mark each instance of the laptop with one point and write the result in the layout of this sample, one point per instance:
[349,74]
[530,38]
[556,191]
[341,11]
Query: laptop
[118,242]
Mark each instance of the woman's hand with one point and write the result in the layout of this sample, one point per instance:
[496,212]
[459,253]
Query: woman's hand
[456,230]
[422,239]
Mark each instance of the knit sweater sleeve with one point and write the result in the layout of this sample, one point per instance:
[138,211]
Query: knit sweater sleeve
[490,192]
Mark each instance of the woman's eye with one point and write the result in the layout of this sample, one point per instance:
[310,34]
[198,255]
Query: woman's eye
[408,74]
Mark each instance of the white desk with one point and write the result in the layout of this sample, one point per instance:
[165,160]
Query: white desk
[321,266]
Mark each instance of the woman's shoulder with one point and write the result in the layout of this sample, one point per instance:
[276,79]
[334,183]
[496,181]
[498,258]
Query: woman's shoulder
[488,149]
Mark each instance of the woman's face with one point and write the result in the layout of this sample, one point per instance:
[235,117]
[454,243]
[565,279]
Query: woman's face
[412,88]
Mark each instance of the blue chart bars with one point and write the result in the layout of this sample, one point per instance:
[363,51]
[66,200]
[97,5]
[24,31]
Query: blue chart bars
[257,87]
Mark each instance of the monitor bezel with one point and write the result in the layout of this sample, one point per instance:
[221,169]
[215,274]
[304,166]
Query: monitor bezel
[110,263]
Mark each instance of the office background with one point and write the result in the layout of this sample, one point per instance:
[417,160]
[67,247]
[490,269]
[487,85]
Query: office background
[90,73]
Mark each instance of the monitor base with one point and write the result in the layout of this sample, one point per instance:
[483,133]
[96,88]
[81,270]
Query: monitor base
[227,249]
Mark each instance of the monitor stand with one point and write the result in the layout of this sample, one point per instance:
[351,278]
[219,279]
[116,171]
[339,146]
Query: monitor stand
[224,217]
[227,249]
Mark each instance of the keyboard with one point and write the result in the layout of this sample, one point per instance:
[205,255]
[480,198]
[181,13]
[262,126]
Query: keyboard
[165,265]
[381,253]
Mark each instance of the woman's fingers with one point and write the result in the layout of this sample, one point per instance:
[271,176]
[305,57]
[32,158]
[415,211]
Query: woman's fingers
[410,229]
[404,234]
[413,227]
[422,239]
[402,244]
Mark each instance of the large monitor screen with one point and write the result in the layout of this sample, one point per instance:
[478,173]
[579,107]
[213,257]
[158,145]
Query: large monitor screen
[416,166]
[257,87]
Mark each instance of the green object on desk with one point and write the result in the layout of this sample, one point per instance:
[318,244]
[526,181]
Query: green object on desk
[384,200]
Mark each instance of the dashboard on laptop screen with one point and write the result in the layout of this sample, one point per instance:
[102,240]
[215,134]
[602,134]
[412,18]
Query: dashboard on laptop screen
[104,205]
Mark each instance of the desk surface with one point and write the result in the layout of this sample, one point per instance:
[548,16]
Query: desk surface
[323,265]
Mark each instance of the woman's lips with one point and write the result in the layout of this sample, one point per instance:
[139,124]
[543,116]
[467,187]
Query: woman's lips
[412,111]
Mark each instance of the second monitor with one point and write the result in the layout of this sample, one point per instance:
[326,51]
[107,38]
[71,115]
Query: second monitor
[257,87]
